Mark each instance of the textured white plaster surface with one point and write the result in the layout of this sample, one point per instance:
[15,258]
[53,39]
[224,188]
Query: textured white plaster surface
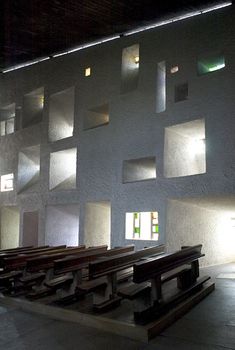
[62,225]
[97,224]
[134,131]
[182,152]
[190,224]
[30,228]
[10,225]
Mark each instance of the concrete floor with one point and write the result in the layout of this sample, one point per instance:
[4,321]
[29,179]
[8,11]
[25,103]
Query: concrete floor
[209,325]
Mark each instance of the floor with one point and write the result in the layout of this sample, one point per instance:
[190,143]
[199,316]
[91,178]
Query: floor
[208,326]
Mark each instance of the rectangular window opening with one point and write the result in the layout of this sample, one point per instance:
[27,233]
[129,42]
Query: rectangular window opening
[139,169]
[210,64]
[7,182]
[142,226]
[7,120]
[161,87]
[130,68]
[97,116]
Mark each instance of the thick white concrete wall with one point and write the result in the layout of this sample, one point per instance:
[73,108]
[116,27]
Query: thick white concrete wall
[135,130]
[62,225]
[10,227]
[30,228]
[97,224]
[189,224]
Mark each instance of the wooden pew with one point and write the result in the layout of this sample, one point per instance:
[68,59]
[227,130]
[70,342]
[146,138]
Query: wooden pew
[77,265]
[15,249]
[16,253]
[150,302]
[110,268]
[13,266]
[46,263]
[18,262]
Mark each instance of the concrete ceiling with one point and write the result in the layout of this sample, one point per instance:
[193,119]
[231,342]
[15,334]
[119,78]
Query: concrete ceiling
[37,28]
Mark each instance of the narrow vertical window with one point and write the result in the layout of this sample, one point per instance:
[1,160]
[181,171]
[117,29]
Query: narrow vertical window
[161,87]
[130,68]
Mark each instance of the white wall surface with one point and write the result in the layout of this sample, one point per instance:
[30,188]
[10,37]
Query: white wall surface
[135,130]
[10,225]
[189,224]
[97,224]
[62,225]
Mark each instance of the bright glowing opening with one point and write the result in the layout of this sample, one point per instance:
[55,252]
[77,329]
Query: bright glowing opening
[7,182]
[142,226]
[41,102]
[210,64]
[87,72]
[217,67]
[174,69]
[137,60]
[197,146]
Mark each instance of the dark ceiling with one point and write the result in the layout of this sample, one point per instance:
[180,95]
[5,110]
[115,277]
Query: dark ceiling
[37,28]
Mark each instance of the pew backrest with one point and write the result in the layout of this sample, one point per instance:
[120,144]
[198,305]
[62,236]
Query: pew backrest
[23,251]
[47,261]
[19,261]
[146,270]
[74,263]
[108,265]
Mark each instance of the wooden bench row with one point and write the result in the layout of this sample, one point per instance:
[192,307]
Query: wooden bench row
[77,271]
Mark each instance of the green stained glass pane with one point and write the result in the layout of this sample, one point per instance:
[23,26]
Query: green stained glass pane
[155,229]
[137,230]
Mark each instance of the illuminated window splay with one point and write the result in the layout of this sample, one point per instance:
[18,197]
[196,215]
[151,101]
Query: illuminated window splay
[139,169]
[161,87]
[96,116]
[210,64]
[87,71]
[33,105]
[185,149]
[197,146]
[174,69]
[61,114]
[7,182]
[63,165]
[142,226]
[7,119]
[7,126]
[130,68]
[137,60]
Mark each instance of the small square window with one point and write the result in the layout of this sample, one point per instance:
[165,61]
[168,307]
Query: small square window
[87,71]
[7,182]
[181,92]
